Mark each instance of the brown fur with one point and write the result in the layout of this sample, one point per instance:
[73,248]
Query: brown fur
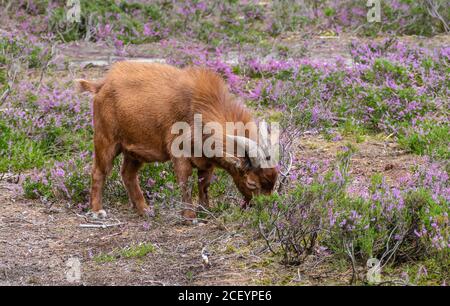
[135,107]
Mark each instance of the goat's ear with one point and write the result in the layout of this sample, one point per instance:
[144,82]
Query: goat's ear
[248,162]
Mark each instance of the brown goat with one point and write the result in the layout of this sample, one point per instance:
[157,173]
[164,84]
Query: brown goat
[136,105]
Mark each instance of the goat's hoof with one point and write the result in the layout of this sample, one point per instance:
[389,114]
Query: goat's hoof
[190,222]
[101,214]
[145,211]
[189,217]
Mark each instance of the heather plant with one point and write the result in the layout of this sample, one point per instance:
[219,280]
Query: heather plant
[394,225]
[389,88]
[18,53]
[21,49]
[292,224]
[219,22]
[373,227]
[398,16]
[428,138]
[43,122]
[123,21]
[141,22]
[62,181]
[37,186]
[18,150]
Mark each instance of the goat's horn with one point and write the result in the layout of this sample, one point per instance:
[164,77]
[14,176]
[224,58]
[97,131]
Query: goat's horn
[263,134]
[233,160]
[254,151]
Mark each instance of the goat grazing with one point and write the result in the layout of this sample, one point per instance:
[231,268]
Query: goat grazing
[135,107]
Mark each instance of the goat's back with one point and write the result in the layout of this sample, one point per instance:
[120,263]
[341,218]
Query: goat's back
[138,103]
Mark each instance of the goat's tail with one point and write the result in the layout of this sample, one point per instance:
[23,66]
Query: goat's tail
[84,85]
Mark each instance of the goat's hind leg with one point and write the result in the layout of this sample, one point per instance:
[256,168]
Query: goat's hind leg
[129,172]
[105,153]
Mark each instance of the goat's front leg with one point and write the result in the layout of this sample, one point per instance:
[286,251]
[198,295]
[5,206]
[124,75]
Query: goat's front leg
[183,170]
[204,180]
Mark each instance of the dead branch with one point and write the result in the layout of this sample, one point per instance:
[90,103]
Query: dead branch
[92,225]
[349,250]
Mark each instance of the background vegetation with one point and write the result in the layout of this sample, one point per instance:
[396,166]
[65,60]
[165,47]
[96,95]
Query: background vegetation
[386,89]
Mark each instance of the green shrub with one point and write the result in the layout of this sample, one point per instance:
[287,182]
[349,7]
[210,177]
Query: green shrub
[427,138]
[18,49]
[35,189]
[18,152]
[390,224]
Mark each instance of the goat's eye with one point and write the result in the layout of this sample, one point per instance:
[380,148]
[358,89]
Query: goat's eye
[268,157]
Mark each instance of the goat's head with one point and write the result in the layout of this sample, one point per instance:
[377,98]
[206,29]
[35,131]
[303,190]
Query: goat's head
[255,173]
